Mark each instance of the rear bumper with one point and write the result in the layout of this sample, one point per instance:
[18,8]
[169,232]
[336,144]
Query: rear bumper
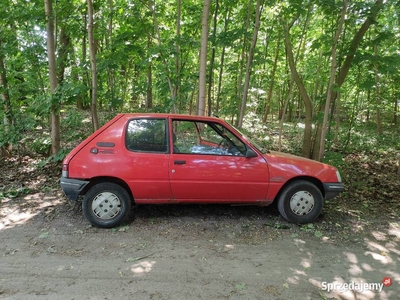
[72,188]
[333,189]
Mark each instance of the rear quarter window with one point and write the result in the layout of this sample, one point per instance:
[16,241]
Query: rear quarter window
[147,135]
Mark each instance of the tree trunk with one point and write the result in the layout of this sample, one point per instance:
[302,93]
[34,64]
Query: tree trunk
[177,50]
[211,68]
[8,121]
[149,98]
[221,65]
[82,104]
[272,79]
[249,63]
[51,54]
[203,59]
[63,54]
[92,52]
[337,119]
[303,93]
[377,94]
[241,59]
[282,119]
[5,96]
[318,126]
[331,82]
[111,87]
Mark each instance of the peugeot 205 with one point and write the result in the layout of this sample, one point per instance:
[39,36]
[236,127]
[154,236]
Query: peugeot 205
[170,159]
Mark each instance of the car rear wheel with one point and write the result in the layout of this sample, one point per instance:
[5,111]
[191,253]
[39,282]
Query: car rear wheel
[300,202]
[106,205]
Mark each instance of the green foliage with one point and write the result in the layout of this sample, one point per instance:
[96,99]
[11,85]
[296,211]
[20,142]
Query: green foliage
[13,192]
[41,145]
[241,286]
[128,48]
[74,125]
[71,92]
[311,228]
[8,135]
[55,158]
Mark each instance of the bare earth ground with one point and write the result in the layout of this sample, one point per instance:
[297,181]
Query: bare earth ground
[49,251]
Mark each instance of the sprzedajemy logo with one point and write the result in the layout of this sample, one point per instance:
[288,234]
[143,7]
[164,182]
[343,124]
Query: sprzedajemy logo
[356,286]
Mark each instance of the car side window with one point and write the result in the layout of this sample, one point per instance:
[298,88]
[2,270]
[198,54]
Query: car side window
[192,137]
[147,135]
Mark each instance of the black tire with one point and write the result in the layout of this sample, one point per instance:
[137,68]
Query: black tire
[106,205]
[300,202]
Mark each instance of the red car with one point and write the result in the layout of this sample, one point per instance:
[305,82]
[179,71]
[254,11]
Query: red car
[169,158]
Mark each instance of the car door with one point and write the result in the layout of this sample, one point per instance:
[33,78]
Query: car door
[147,157]
[209,164]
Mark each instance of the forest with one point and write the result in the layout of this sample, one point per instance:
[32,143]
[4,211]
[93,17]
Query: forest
[315,78]
[319,77]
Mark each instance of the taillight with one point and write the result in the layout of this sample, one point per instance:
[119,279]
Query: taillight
[64,170]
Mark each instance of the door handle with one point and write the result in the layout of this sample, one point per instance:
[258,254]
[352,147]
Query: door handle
[179,162]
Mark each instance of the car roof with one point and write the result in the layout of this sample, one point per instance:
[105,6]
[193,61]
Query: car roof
[171,115]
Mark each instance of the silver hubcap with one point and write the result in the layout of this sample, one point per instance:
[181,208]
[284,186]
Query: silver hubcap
[302,203]
[106,205]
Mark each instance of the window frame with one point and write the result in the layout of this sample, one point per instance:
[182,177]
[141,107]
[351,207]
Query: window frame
[215,127]
[166,128]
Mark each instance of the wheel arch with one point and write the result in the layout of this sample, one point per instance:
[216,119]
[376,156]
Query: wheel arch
[116,180]
[313,180]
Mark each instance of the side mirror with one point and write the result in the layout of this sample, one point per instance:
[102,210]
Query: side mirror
[250,153]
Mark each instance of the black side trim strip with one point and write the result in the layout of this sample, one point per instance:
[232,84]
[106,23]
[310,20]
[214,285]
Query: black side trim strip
[105,144]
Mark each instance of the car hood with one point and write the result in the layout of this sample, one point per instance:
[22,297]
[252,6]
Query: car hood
[283,166]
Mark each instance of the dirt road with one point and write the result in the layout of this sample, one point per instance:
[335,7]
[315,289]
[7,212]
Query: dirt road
[48,251]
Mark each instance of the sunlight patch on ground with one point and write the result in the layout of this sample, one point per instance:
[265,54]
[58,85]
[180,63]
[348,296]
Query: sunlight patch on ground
[394,229]
[14,217]
[305,263]
[229,247]
[13,213]
[382,257]
[142,267]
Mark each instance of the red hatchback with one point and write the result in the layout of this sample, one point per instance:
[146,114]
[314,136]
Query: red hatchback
[169,158]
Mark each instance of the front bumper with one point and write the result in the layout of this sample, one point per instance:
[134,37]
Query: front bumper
[333,189]
[72,187]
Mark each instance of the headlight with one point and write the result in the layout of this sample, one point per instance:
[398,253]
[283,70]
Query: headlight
[338,176]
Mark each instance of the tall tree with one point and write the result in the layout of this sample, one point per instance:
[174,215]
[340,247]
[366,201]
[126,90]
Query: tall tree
[63,54]
[5,95]
[249,63]
[177,49]
[149,97]
[222,61]
[51,54]
[203,59]
[92,53]
[241,59]
[306,149]
[272,79]
[331,81]
[8,119]
[378,94]
[211,67]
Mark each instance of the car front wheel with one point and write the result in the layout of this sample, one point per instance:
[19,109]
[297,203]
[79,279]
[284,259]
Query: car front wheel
[300,202]
[106,205]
